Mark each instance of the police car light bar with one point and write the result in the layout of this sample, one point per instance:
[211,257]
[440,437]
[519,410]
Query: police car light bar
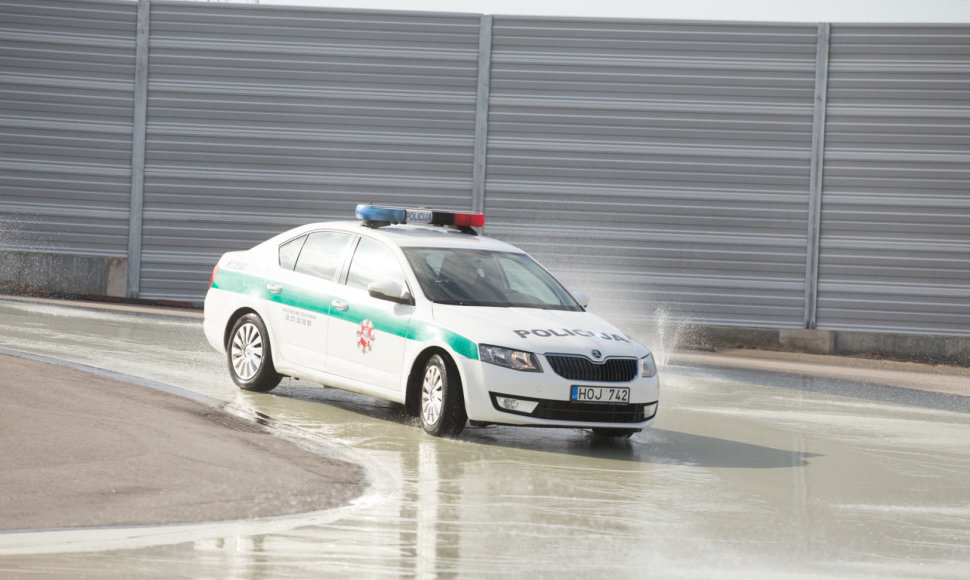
[395,215]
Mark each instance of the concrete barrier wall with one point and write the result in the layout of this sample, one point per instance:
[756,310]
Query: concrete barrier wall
[715,174]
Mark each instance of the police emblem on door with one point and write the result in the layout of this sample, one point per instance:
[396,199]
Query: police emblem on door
[366,336]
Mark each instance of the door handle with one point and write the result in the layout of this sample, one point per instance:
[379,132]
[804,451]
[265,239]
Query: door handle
[339,305]
[274,288]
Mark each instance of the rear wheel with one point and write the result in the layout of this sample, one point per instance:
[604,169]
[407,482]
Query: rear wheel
[442,406]
[249,356]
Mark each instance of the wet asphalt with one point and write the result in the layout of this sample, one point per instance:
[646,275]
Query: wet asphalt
[83,450]
[755,470]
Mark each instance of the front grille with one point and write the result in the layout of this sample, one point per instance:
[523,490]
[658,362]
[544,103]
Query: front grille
[580,368]
[589,412]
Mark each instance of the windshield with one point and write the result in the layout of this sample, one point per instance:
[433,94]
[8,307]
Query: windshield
[486,278]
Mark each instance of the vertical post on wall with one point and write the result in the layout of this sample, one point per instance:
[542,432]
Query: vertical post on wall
[481,114]
[815,181]
[138,132]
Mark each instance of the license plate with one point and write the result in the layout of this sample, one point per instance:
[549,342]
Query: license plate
[600,394]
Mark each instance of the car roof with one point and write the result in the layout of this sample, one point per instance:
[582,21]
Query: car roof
[408,235]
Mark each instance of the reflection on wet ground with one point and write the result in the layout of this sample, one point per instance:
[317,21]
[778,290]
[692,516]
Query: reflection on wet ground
[655,445]
[870,391]
[741,476]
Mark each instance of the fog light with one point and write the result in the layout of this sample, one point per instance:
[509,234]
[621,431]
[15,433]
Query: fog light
[649,410]
[517,405]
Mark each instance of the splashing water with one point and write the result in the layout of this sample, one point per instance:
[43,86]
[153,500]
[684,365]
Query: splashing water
[662,332]
[668,332]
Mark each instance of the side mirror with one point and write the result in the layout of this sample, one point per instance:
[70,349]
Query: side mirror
[389,290]
[582,298]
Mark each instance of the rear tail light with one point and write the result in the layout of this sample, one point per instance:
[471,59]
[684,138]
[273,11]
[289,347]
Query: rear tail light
[212,279]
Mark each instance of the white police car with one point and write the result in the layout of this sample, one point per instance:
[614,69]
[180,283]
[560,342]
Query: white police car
[455,326]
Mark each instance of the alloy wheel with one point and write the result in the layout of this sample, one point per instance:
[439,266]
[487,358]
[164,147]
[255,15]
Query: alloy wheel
[431,395]
[247,351]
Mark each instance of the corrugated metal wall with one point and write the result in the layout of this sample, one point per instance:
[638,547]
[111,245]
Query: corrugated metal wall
[657,163]
[895,240]
[665,167]
[66,75]
[263,118]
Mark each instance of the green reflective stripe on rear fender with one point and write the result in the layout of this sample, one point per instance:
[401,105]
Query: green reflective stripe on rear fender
[240,283]
[255,286]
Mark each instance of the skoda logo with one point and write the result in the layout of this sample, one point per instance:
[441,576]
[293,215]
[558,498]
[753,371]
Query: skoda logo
[596,353]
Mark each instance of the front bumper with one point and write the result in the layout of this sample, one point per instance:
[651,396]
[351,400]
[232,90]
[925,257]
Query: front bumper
[485,384]
[576,412]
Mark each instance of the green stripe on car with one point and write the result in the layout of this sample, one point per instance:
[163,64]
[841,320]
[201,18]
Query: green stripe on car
[319,302]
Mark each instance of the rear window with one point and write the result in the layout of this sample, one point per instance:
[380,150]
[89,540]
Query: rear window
[290,251]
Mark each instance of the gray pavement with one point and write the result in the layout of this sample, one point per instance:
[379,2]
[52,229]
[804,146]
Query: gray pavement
[760,465]
[82,450]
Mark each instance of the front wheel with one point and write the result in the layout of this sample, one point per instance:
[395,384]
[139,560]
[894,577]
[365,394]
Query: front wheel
[442,408]
[249,356]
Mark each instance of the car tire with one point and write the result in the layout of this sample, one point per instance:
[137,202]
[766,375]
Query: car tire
[606,433]
[442,405]
[250,357]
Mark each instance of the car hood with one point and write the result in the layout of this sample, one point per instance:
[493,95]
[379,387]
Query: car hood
[537,330]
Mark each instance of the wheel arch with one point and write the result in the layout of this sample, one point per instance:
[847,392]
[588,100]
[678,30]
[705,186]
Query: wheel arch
[412,396]
[231,321]
[264,376]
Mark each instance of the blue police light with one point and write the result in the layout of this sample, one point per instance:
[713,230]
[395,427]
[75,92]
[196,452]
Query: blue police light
[393,215]
[370,213]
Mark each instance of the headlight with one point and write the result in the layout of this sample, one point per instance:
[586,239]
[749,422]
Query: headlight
[506,357]
[648,367]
